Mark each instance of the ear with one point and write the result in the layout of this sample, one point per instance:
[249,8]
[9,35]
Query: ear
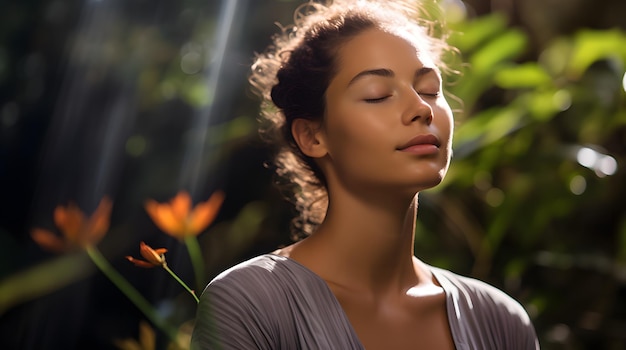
[309,137]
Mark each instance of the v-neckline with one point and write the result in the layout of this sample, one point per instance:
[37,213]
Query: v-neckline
[441,280]
[329,293]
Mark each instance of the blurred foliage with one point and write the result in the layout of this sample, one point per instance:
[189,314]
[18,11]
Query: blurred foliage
[114,97]
[530,217]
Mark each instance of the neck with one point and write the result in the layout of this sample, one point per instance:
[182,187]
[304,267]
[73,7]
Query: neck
[368,244]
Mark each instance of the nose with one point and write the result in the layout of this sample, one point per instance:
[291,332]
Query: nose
[418,110]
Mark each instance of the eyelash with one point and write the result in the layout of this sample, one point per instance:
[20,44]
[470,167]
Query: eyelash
[376,100]
[381,99]
[436,94]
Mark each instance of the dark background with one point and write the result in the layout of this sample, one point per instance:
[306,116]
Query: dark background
[138,99]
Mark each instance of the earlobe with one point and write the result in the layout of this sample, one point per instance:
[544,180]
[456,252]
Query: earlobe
[308,136]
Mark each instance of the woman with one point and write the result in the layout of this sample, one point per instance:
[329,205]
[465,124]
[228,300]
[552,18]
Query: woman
[362,127]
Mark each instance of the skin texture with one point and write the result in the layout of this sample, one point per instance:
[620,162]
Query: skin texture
[386,93]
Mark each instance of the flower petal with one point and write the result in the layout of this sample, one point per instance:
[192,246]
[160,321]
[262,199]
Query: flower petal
[70,221]
[147,336]
[48,240]
[127,344]
[181,205]
[160,251]
[140,263]
[164,218]
[98,223]
[151,255]
[204,213]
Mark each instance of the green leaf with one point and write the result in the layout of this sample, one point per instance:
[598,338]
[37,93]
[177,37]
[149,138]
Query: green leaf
[487,127]
[505,47]
[543,105]
[43,279]
[472,34]
[528,75]
[593,45]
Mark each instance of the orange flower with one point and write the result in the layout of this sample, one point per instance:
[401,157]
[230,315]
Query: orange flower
[179,220]
[78,231]
[147,339]
[154,257]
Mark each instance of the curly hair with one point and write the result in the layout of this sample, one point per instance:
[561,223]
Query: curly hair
[292,75]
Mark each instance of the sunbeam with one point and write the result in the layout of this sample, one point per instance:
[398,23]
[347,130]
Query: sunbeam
[90,118]
[194,167]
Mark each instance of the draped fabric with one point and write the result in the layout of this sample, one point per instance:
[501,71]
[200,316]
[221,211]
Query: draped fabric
[483,317]
[273,302]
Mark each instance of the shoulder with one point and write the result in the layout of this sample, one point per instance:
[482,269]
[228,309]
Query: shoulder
[240,308]
[486,313]
[265,273]
[250,272]
[270,302]
[255,281]
[480,294]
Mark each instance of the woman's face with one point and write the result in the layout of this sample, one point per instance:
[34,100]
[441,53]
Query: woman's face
[387,124]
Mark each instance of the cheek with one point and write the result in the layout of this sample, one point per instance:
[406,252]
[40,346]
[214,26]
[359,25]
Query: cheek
[353,127]
[446,117]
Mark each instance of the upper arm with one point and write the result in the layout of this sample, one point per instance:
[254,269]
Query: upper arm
[489,318]
[229,317]
[510,317]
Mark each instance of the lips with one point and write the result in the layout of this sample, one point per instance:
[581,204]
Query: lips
[425,140]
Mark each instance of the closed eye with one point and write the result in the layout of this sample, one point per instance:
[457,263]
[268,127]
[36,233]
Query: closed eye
[376,100]
[433,95]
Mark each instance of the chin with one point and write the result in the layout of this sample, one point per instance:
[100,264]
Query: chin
[433,181]
[424,185]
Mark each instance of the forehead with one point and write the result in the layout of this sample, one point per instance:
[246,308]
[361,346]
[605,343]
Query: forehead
[377,48]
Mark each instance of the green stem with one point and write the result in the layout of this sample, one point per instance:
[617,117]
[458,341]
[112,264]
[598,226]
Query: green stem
[125,287]
[181,282]
[195,254]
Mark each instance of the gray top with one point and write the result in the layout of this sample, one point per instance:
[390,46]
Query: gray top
[273,302]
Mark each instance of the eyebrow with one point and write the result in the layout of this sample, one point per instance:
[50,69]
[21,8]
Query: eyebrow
[388,73]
